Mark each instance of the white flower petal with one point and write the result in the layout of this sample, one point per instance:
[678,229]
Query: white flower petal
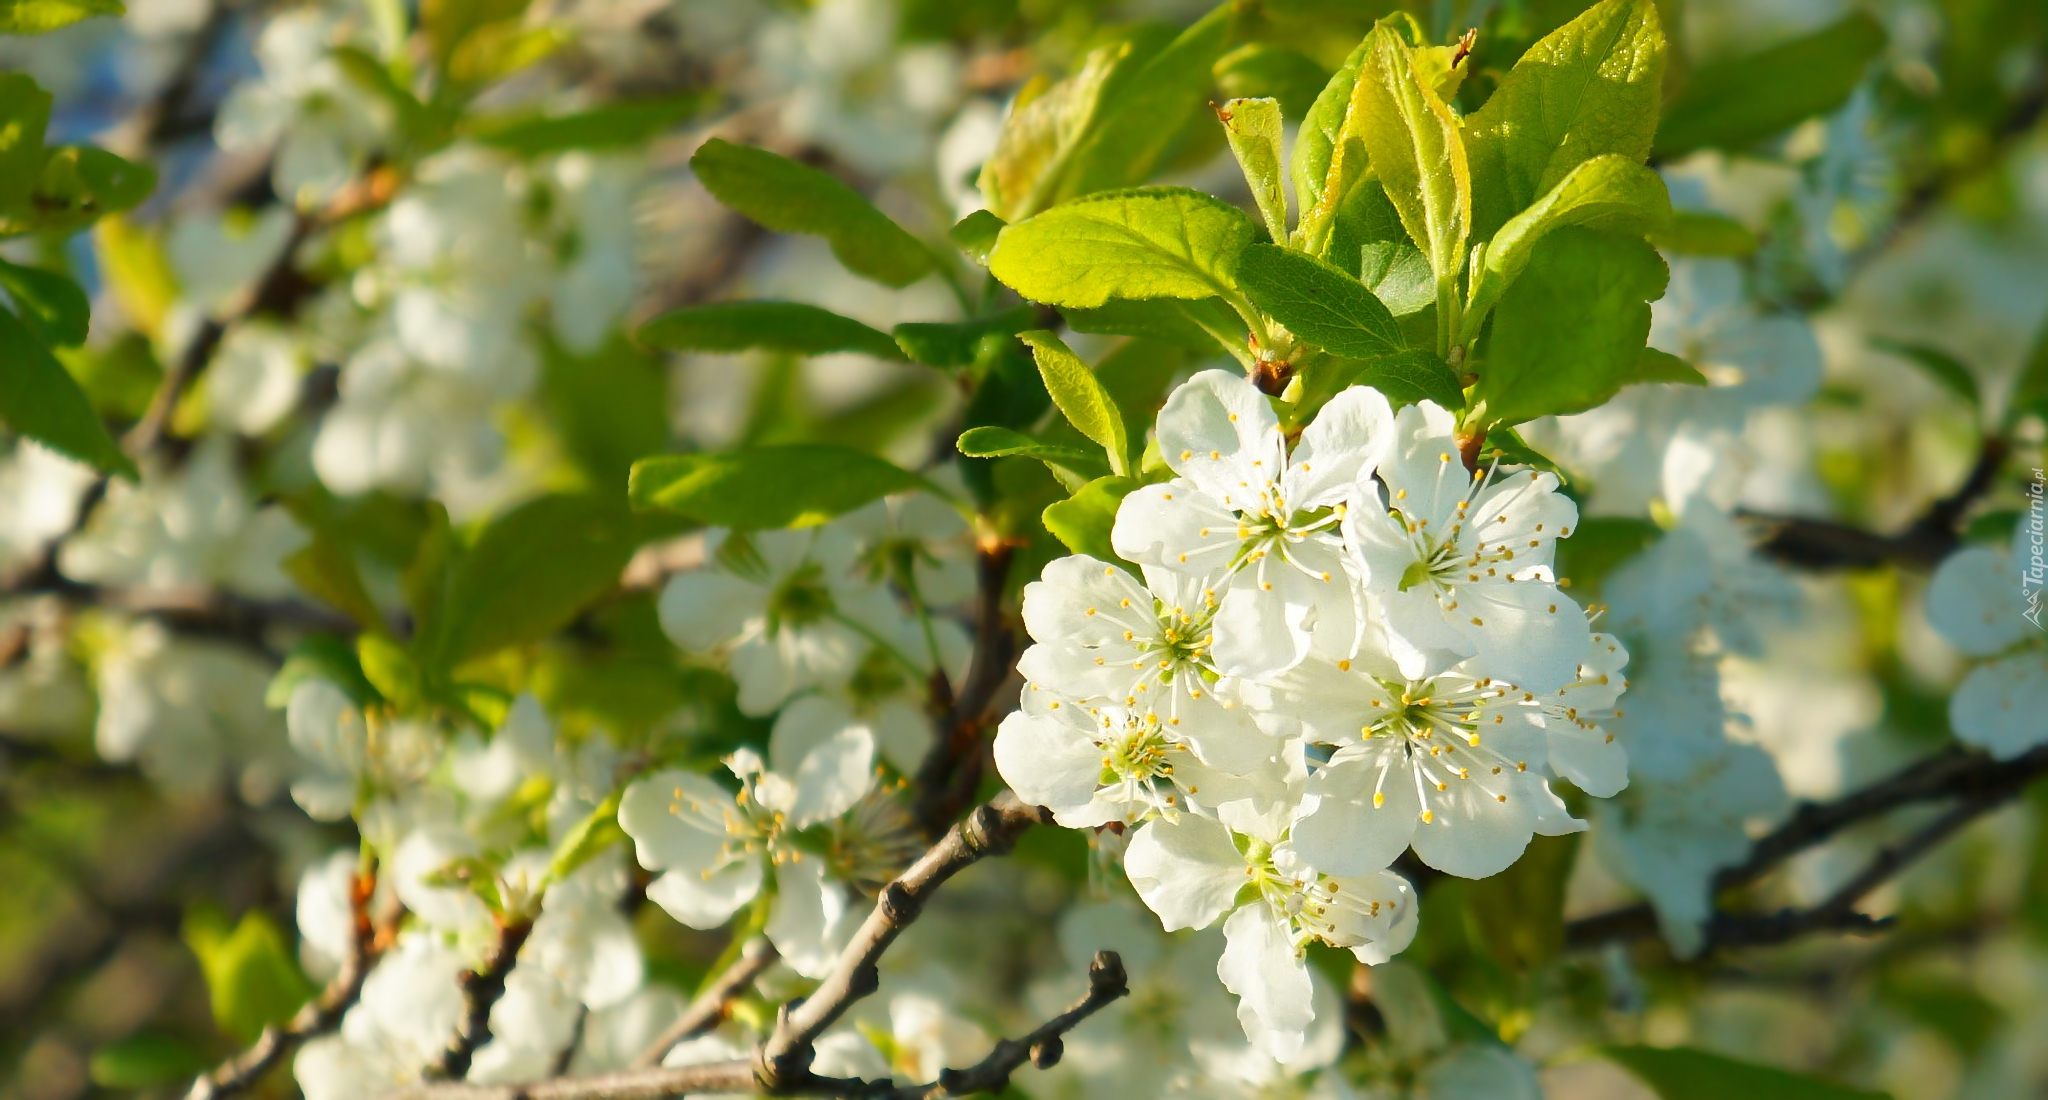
[1187,871]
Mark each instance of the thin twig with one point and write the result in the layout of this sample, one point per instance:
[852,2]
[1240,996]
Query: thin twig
[317,1017]
[711,1005]
[1824,544]
[1043,1048]
[481,990]
[1978,782]
[950,772]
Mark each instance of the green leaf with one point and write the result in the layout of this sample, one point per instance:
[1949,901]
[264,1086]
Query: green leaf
[52,306]
[609,405]
[1655,365]
[24,115]
[1608,192]
[326,570]
[1398,275]
[1252,127]
[1262,70]
[798,485]
[370,73]
[1683,1073]
[958,343]
[1571,331]
[789,197]
[976,235]
[1316,148]
[40,16]
[40,399]
[533,570]
[2030,389]
[1587,89]
[795,328]
[1079,396]
[392,670]
[619,125]
[1147,108]
[145,1060]
[1415,145]
[448,23]
[1944,368]
[1199,326]
[1697,233]
[77,184]
[1155,242]
[1413,376]
[1737,103]
[251,976]
[321,657]
[1023,173]
[1083,521]
[989,441]
[1318,303]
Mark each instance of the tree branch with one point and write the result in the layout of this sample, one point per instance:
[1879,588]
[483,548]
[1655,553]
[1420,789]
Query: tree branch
[1043,1048]
[950,772]
[481,989]
[1978,783]
[712,1004]
[1824,544]
[317,1017]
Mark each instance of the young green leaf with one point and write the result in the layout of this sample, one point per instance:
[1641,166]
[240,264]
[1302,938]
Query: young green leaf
[1199,326]
[1264,70]
[1571,331]
[1944,368]
[1684,1073]
[1082,522]
[1316,148]
[24,115]
[1154,242]
[40,399]
[53,307]
[1736,103]
[1609,192]
[1020,177]
[612,126]
[989,441]
[1252,127]
[1416,148]
[251,976]
[78,184]
[1079,396]
[976,235]
[1589,88]
[797,485]
[41,16]
[1655,365]
[1413,376]
[1146,108]
[533,569]
[1698,233]
[792,327]
[1318,303]
[789,197]
[609,405]
[958,343]
[1398,275]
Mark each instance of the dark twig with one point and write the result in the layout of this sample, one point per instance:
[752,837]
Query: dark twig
[1977,782]
[1043,1048]
[319,1016]
[1823,544]
[714,1002]
[481,989]
[950,772]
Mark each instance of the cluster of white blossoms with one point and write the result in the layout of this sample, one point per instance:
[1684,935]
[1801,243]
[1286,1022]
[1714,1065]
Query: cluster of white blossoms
[1328,653]
[835,632]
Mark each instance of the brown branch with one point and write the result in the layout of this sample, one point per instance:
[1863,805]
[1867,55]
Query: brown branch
[781,1064]
[1043,1048]
[950,772]
[481,990]
[1824,544]
[1975,781]
[711,1006]
[317,1017]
